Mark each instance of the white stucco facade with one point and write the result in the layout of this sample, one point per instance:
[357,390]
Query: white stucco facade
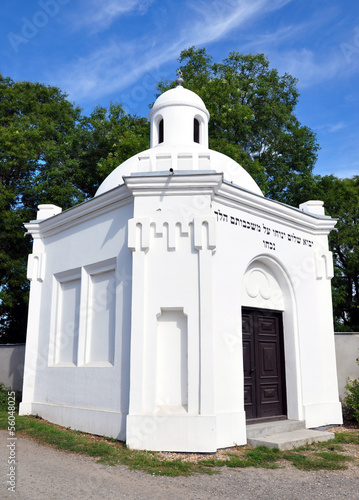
[137,297]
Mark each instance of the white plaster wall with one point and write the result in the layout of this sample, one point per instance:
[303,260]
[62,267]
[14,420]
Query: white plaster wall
[178,298]
[308,332]
[168,268]
[172,284]
[347,353]
[191,248]
[91,395]
[167,276]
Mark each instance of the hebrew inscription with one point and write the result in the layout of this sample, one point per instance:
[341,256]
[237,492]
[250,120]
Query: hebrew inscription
[265,230]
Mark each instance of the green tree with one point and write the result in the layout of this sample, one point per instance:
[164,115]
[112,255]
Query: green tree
[36,128]
[105,140]
[49,153]
[253,121]
[341,201]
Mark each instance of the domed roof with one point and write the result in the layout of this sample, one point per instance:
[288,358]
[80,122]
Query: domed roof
[179,96]
[192,158]
[178,146]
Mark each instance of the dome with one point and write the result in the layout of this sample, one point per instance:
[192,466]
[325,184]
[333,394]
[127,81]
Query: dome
[194,158]
[179,96]
[179,141]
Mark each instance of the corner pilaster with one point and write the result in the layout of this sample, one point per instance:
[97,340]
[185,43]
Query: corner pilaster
[205,244]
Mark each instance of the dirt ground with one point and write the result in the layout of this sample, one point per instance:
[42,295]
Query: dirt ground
[45,473]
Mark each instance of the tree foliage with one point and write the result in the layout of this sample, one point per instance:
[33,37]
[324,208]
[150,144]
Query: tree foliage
[49,153]
[105,140]
[36,126]
[341,201]
[252,119]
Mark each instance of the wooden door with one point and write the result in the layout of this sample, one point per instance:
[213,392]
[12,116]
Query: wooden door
[263,360]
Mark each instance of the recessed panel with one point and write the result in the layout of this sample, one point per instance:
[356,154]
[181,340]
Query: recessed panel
[68,321]
[269,394]
[268,359]
[101,324]
[246,324]
[247,358]
[172,358]
[267,325]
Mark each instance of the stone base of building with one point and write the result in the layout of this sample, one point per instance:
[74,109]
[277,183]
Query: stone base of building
[165,431]
[99,422]
[317,415]
[185,433]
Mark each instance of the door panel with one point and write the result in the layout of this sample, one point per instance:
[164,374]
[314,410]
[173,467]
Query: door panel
[263,360]
[248,363]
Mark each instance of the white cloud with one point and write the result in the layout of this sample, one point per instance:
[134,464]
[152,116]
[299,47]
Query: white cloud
[294,32]
[330,127]
[337,126]
[112,68]
[217,19]
[308,67]
[116,65]
[265,42]
[100,14]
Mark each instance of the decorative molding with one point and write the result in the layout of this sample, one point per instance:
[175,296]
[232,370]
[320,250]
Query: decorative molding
[47,211]
[36,267]
[183,229]
[139,239]
[205,240]
[163,183]
[89,210]
[60,334]
[271,210]
[257,283]
[261,288]
[324,265]
[313,207]
[139,231]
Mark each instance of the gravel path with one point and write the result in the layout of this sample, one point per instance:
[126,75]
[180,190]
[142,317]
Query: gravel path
[43,473]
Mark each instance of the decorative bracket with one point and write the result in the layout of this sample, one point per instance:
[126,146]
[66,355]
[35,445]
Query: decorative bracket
[205,233]
[324,265]
[36,267]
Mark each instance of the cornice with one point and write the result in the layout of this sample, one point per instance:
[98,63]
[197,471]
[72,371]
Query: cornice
[88,210]
[175,184]
[186,183]
[231,195]
[271,210]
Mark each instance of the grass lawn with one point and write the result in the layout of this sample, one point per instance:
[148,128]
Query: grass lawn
[331,455]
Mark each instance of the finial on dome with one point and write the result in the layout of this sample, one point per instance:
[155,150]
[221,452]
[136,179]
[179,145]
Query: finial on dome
[179,80]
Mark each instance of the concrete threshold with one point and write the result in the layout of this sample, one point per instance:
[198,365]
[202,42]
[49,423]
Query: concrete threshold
[284,435]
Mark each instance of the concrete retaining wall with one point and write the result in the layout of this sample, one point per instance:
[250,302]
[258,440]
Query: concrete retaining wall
[12,365]
[347,351]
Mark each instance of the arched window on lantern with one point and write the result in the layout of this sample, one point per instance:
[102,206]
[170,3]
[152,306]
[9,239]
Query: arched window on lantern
[196,130]
[160,132]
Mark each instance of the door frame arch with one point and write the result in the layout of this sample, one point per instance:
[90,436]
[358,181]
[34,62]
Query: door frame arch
[290,327]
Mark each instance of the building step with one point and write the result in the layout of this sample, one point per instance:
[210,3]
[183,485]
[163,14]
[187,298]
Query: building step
[290,439]
[270,428]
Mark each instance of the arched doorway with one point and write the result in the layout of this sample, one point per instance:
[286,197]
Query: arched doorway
[263,364]
[272,383]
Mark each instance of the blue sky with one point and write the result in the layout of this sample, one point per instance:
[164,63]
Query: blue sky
[116,50]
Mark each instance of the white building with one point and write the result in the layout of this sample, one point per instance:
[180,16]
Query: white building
[179,301]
